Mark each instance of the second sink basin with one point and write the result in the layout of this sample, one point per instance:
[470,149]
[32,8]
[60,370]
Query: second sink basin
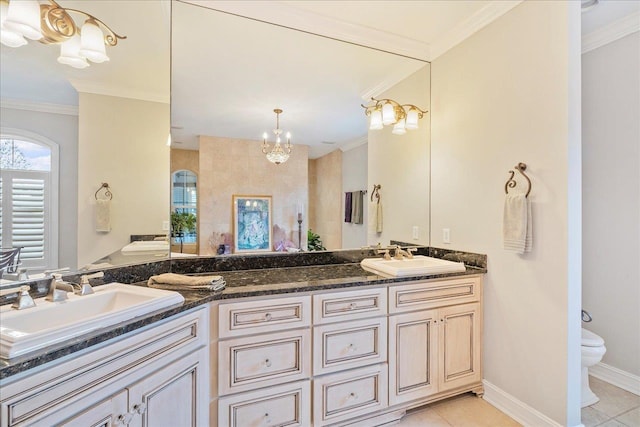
[419,265]
[23,331]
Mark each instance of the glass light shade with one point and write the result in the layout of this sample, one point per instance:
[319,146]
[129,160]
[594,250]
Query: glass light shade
[399,128]
[92,44]
[8,37]
[412,119]
[375,122]
[388,114]
[23,18]
[70,53]
[277,155]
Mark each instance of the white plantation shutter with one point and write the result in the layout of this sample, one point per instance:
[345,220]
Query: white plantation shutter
[1,241]
[25,216]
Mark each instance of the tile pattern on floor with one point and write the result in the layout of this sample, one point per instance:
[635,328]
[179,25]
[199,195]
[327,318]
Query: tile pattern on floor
[465,410]
[616,408]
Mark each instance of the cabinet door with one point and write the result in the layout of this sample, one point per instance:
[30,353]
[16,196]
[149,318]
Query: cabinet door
[460,332]
[169,396]
[413,356]
[107,413]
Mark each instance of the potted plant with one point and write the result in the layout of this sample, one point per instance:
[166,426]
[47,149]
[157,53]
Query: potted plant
[314,243]
[181,223]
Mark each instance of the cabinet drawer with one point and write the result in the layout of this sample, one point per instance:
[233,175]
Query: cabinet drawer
[349,394]
[340,306]
[250,362]
[286,405]
[420,296]
[271,315]
[349,345]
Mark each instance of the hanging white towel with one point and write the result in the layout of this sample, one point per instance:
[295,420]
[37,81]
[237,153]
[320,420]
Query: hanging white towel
[517,228]
[103,215]
[379,218]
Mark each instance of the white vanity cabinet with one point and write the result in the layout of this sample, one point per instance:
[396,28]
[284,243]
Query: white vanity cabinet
[156,376]
[345,357]
[437,349]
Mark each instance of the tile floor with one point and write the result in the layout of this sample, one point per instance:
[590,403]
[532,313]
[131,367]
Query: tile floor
[466,410]
[616,408]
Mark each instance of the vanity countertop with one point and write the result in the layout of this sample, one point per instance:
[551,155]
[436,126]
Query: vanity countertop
[240,284]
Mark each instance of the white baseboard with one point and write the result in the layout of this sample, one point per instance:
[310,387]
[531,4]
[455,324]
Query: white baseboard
[516,409]
[617,377]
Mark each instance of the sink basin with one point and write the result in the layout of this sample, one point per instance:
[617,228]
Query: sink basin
[419,265]
[48,323]
[146,246]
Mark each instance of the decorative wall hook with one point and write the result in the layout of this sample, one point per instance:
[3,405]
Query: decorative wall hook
[511,183]
[107,191]
[376,193]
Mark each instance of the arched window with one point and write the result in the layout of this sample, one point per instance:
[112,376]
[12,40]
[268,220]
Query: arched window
[184,203]
[29,198]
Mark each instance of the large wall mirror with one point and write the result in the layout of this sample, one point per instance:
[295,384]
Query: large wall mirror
[66,131]
[228,75]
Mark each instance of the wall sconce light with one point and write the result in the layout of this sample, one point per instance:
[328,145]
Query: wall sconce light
[50,23]
[277,154]
[386,112]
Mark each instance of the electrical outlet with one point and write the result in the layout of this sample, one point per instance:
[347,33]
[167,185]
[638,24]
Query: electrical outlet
[165,225]
[414,233]
[446,235]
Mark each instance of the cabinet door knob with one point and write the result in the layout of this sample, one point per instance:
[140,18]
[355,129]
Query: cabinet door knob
[124,419]
[140,408]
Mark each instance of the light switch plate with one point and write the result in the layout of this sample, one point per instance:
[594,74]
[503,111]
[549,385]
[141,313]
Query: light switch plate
[446,235]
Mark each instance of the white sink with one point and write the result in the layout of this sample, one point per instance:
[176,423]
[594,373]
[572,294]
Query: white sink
[145,246]
[48,323]
[419,265]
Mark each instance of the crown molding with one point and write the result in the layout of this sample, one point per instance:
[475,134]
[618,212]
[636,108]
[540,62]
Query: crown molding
[298,19]
[394,77]
[40,107]
[471,25]
[354,143]
[119,91]
[612,32]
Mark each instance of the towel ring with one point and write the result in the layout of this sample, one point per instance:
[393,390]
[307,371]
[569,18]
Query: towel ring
[107,191]
[375,192]
[511,183]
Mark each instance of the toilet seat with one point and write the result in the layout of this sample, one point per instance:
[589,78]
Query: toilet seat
[589,339]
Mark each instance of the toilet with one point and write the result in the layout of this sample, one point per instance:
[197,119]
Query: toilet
[592,351]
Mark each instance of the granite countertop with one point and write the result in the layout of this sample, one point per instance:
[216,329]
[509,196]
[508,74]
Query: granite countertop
[243,283]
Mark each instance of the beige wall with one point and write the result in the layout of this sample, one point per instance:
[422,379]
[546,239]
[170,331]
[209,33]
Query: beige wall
[510,93]
[122,142]
[354,178]
[400,163]
[325,199]
[185,160]
[237,167]
[611,194]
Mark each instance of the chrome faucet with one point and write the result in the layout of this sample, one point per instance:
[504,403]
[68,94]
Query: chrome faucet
[58,289]
[24,300]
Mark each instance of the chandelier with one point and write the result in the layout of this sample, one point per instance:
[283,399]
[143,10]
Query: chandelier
[278,154]
[50,23]
[384,112]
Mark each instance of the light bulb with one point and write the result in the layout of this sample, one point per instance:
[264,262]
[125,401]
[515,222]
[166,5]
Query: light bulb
[375,122]
[388,114]
[8,37]
[23,18]
[398,128]
[70,53]
[412,119]
[92,42]
[264,136]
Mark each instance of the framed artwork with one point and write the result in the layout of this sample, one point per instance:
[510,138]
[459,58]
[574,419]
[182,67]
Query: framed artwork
[252,223]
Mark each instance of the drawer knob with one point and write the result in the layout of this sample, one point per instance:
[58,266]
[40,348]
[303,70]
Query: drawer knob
[267,317]
[267,363]
[267,419]
[353,396]
[353,306]
[124,419]
[352,347]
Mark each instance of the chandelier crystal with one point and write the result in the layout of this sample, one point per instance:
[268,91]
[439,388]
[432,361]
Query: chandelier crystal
[386,112]
[49,23]
[278,154]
